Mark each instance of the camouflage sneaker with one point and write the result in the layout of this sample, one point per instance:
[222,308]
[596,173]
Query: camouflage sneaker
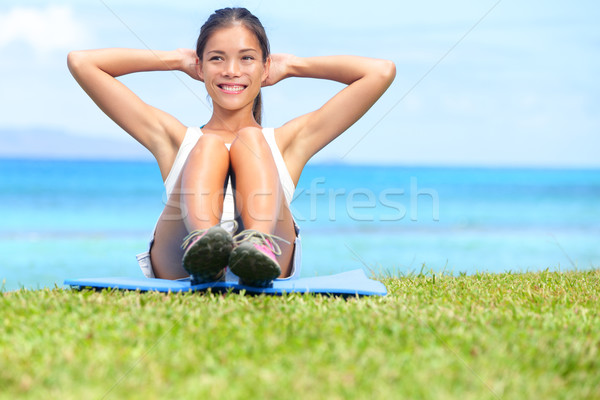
[206,254]
[253,258]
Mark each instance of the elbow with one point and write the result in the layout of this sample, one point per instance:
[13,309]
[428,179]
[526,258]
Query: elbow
[388,71]
[383,72]
[75,60]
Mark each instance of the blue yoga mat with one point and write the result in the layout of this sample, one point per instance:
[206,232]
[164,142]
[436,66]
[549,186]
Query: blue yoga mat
[349,283]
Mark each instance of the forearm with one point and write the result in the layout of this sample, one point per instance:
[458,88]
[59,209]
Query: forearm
[117,62]
[344,69]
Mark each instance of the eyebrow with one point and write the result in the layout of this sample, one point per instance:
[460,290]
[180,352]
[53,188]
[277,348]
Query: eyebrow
[222,52]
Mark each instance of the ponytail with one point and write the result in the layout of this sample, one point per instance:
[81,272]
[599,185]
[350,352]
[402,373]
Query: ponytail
[257,108]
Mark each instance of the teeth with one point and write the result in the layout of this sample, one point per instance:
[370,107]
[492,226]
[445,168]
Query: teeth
[232,88]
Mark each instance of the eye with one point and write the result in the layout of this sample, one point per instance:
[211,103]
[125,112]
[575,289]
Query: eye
[216,58]
[247,58]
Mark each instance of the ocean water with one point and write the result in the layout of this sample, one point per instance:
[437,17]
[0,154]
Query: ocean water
[69,219]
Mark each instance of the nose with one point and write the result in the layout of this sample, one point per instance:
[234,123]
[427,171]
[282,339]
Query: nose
[232,68]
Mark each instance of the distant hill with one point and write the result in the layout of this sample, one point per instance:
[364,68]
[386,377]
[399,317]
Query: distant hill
[49,143]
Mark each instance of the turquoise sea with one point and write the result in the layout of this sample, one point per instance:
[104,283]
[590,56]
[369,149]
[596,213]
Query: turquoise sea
[70,219]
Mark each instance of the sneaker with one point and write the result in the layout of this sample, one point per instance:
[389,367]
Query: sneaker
[206,254]
[254,258]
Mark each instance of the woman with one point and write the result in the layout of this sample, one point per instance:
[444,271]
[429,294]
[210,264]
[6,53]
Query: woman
[231,166]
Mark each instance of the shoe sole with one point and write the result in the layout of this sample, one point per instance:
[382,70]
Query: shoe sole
[206,259]
[252,266]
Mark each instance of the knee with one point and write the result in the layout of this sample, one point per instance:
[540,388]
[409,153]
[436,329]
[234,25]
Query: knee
[248,138]
[208,144]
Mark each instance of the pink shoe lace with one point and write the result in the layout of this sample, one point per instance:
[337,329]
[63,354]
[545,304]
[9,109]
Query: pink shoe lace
[263,242]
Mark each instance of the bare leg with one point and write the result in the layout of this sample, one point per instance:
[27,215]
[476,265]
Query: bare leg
[198,204]
[257,181]
[259,195]
[202,182]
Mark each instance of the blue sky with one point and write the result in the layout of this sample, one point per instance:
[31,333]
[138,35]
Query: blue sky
[492,83]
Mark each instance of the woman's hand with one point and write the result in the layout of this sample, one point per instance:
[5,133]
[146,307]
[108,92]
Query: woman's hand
[279,69]
[189,62]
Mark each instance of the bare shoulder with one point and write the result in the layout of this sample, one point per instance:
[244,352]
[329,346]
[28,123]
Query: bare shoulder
[284,136]
[165,147]
[288,140]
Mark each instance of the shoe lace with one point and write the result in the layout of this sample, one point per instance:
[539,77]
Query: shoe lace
[191,237]
[251,235]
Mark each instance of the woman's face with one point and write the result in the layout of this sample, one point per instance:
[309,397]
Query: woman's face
[232,67]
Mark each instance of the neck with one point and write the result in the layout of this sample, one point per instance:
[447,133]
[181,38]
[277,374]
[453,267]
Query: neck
[231,121]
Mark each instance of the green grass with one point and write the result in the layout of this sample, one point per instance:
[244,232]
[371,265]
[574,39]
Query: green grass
[487,336]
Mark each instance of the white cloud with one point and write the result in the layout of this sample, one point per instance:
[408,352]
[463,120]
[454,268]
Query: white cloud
[53,28]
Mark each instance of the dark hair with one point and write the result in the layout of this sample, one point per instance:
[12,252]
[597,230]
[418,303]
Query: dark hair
[229,16]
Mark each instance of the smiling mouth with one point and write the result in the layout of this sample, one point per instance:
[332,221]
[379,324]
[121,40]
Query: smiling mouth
[232,88]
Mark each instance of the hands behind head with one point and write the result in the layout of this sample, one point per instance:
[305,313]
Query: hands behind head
[279,68]
[189,63]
